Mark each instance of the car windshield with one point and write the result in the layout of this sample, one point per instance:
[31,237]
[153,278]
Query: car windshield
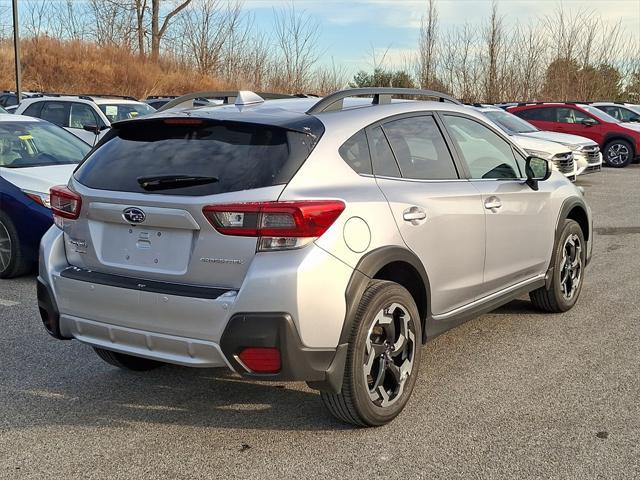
[634,108]
[599,114]
[38,144]
[510,122]
[124,111]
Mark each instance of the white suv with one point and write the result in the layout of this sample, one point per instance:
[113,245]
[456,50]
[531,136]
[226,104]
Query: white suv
[87,117]
[322,240]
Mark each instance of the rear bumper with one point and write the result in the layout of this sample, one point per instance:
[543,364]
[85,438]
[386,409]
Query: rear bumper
[195,326]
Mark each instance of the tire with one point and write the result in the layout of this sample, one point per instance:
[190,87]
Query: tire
[13,261]
[618,153]
[569,257]
[127,362]
[392,367]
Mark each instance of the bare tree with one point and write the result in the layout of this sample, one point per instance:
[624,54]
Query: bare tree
[205,29]
[159,26]
[427,43]
[297,35]
[494,41]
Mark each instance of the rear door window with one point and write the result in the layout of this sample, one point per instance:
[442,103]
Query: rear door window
[540,114]
[56,113]
[420,149]
[239,156]
[384,163]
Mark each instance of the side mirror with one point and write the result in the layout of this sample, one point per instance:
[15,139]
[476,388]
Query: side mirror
[537,170]
[95,129]
[589,122]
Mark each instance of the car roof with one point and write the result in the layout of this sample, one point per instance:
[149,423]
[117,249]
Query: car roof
[10,117]
[286,112]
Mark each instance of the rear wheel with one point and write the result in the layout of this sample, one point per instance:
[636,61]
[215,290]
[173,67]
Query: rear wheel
[383,357]
[568,272]
[618,153]
[12,259]
[127,362]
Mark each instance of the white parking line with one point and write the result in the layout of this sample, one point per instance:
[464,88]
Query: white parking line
[8,303]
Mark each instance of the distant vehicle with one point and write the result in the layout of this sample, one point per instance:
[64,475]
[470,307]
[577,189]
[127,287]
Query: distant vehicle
[34,156]
[9,98]
[213,98]
[559,156]
[159,101]
[625,112]
[318,240]
[619,142]
[586,152]
[87,117]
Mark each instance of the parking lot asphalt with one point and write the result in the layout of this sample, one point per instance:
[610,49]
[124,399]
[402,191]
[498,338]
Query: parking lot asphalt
[511,394]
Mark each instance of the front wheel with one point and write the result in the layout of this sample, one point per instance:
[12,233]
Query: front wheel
[568,272]
[383,357]
[13,261]
[618,153]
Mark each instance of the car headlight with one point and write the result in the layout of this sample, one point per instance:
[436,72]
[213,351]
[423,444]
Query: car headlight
[539,154]
[38,197]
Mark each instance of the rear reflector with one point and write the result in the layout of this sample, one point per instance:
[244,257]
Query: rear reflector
[261,359]
[64,202]
[280,225]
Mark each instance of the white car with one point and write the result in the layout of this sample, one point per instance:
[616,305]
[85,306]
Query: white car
[562,159]
[87,117]
[586,152]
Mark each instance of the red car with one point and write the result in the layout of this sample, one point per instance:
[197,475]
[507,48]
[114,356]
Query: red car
[619,142]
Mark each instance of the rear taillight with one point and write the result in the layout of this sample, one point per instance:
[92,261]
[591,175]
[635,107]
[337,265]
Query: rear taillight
[64,202]
[279,225]
[261,359]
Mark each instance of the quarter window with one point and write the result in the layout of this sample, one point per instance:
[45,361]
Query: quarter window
[33,110]
[419,149]
[487,155]
[355,152]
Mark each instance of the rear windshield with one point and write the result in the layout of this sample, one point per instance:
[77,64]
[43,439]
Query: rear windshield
[239,156]
[38,144]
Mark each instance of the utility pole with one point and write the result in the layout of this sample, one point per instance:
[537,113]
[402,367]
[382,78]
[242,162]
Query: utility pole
[16,45]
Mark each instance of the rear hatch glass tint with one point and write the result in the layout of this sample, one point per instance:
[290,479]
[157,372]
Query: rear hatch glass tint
[234,156]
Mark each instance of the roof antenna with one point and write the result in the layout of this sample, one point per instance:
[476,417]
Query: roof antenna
[245,97]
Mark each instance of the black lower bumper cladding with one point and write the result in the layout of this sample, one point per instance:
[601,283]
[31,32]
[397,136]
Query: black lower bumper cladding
[49,311]
[276,330]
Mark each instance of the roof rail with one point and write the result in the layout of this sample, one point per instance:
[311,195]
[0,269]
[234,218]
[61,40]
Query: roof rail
[381,95]
[156,97]
[186,101]
[108,95]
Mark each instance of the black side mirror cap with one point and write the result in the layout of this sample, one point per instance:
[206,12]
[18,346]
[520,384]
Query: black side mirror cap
[92,128]
[537,170]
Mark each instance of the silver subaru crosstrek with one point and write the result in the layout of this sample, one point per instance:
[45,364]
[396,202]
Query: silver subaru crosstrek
[319,240]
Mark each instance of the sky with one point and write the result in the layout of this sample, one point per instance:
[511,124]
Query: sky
[352,30]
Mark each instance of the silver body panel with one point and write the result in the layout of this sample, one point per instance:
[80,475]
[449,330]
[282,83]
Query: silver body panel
[470,252]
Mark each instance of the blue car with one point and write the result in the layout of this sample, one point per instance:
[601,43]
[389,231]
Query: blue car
[34,156]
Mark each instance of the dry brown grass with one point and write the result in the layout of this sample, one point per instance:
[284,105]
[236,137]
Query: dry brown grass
[53,65]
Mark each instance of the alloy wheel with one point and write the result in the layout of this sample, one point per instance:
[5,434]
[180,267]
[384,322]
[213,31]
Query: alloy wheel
[571,266]
[389,354]
[5,248]
[617,154]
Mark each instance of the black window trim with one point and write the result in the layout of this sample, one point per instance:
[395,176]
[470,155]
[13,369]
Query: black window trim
[467,174]
[458,165]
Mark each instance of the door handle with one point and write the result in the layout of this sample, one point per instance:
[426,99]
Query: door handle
[492,203]
[413,214]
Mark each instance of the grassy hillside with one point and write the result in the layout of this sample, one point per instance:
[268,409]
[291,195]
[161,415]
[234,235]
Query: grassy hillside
[53,65]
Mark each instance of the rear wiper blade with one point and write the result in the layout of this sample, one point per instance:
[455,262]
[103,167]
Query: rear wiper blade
[166,182]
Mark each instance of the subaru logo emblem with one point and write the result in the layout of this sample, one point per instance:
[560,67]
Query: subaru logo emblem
[133,215]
